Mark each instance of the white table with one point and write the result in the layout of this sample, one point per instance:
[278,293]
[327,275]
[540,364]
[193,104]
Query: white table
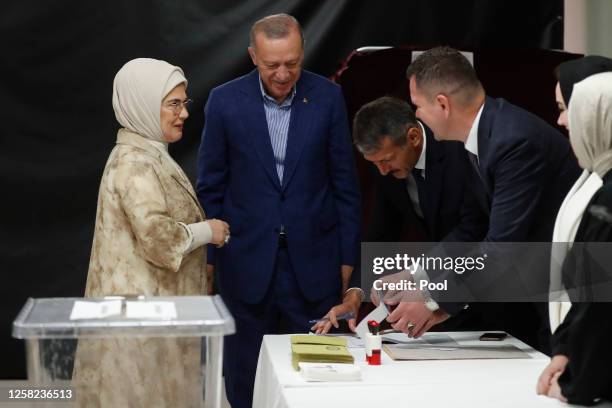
[430,384]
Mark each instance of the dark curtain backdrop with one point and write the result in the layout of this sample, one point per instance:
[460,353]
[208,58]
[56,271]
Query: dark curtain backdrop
[57,127]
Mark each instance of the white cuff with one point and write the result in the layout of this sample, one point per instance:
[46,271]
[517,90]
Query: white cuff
[199,234]
[431,304]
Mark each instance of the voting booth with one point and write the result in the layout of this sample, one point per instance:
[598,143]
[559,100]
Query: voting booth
[120,351]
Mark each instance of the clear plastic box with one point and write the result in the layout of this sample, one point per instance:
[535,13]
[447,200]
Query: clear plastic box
[130,356]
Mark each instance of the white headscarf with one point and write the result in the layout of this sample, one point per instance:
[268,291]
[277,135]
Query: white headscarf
[590,122]
[138,90]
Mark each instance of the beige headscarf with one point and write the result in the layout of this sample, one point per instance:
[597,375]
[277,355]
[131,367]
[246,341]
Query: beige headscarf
[138,90]
[590,122]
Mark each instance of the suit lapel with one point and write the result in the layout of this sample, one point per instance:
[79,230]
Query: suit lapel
[484,133]
[302,115]
[434,180]
[256,126]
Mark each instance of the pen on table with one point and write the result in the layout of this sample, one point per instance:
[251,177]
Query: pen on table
[343,316]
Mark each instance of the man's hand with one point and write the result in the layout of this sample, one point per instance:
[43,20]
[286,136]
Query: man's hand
[210,279]
[350,303]
[395,295]
[346,271]
[557,365]
[414,318]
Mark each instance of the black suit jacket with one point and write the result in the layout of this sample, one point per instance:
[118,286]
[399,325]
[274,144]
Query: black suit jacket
[446,200]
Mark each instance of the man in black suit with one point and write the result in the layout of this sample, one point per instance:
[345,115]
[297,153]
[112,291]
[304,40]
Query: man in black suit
[522,166]
[422,183]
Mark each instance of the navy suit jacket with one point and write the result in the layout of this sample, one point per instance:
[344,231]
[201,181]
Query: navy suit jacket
[527,168]
[318,202]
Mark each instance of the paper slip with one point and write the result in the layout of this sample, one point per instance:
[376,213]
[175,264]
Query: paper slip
[150,310]
[330,372]
[95,310]
[378,314]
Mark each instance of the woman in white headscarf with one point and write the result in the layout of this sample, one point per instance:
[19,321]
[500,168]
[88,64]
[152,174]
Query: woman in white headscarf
[148,240]
[568,218]
[582,357]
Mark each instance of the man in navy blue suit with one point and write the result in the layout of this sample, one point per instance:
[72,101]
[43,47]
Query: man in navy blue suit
[422,183]
[276,163]
[524,167]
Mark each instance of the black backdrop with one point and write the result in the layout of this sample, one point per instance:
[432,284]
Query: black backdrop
[57,62]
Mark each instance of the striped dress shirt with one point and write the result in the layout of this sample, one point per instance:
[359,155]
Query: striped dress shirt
[278,116]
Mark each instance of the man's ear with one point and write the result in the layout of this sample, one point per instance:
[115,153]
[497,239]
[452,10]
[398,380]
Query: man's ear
[414,137]
[443,102]
[253,55]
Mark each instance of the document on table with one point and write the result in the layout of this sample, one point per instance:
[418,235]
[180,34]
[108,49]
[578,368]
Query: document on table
[428,339]
[438,352]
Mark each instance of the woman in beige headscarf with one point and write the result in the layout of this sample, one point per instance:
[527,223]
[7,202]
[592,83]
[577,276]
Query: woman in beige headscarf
[148,240]
[579,371]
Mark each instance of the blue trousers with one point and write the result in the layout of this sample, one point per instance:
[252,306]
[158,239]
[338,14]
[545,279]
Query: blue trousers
[283,310]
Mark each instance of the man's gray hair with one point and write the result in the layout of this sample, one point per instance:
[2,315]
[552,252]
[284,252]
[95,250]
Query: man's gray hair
[274,27]
[383,117]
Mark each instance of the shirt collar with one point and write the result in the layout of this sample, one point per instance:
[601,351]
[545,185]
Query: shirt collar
[471,143]
[268,98]
[420,164]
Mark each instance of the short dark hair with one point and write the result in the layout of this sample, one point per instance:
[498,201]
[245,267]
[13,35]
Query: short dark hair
[275,26]
[444,70]
[383,117]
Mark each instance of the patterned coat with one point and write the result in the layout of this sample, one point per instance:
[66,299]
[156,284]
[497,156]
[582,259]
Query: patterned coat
[138,249]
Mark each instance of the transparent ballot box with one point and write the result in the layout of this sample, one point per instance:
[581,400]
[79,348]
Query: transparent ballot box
[127,351]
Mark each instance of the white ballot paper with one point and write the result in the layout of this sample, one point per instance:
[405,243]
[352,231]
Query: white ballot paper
[95,310]
[330,372]
[378,314]
[150,310]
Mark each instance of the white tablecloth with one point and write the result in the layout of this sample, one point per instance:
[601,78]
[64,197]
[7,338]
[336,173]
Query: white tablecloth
[430,384]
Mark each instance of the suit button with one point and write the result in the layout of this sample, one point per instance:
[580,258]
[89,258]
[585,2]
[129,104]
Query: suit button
[282,197]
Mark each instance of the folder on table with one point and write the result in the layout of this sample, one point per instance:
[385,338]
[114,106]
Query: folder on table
[319,349]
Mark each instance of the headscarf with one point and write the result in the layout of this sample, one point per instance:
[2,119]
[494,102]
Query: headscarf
[138,90]
[590,123]
[571,72]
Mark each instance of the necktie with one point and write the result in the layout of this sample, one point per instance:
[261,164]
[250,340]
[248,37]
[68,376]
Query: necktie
[420,182]
[417,175]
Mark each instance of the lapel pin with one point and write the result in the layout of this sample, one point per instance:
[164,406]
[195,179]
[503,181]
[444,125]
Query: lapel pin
[305,100]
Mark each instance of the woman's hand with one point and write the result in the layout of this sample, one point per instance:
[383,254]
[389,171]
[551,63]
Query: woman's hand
[220,232]
[556,366]
[555,389]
